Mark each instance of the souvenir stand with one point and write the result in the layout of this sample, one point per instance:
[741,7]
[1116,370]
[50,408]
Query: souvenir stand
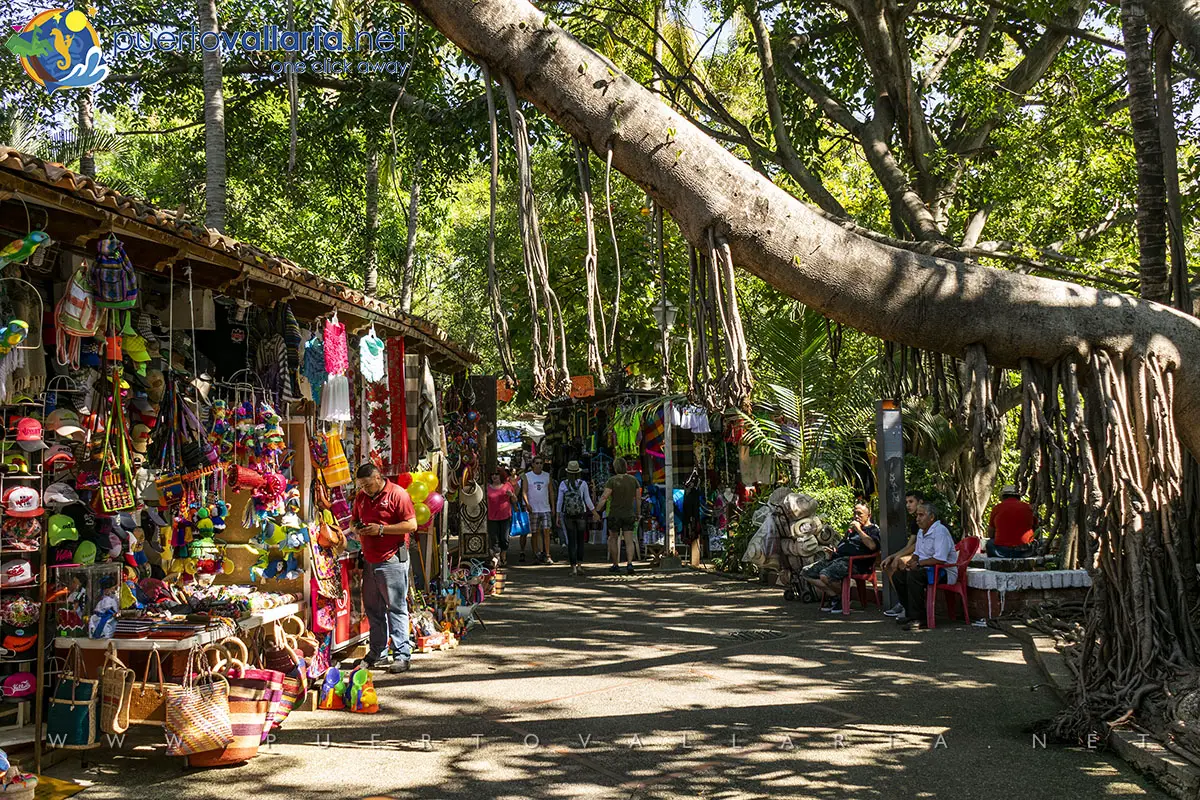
[594,430]
[180,422]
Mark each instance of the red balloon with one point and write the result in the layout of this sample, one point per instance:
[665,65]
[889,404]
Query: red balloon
[405,480]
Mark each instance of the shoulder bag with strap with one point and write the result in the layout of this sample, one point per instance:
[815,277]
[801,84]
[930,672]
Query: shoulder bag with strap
[71,722]
[116,476]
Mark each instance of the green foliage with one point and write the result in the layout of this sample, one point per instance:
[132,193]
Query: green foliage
[924,477]
[835,503]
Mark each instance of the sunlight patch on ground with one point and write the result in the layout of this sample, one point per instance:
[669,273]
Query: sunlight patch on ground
[997,656]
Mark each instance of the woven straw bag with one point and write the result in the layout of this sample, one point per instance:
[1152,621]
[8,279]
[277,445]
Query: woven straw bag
[116,691]
[198,710]
[148,701]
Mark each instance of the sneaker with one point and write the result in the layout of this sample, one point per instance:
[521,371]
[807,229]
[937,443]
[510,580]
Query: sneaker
[614,568]
[902,620]
[549,560]
[399,665]
[833,608]
[579,569]
[574,569]
[522,557]
[629,569]
[380,662]
[540,558]
[896,610]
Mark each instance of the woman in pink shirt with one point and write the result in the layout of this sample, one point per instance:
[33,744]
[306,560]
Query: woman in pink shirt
[500,499]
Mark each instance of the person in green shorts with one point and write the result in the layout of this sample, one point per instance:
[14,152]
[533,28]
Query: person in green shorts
[623,493]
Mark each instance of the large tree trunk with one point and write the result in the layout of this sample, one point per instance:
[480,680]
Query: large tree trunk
[371,234]
[1181,17]
[408,274]
[215,174]
[894,294]
[1147,144]
[87,119]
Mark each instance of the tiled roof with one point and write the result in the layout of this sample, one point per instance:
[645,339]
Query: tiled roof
[90,191]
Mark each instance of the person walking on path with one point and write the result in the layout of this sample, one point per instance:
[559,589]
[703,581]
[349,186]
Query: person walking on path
[574,503]
[500,499]
[623,494]
[384,520]
[538,492]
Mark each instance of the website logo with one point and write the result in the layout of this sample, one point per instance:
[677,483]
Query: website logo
[59,49]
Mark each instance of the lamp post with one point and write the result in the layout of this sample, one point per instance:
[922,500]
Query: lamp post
[665,313]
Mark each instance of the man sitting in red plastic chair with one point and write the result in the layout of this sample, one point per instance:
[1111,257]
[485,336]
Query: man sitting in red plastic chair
[934,546]
[861,539]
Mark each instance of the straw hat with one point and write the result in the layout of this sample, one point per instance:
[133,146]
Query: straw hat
[573,468]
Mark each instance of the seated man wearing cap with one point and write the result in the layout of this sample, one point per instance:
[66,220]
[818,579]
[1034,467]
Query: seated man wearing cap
[1011,527]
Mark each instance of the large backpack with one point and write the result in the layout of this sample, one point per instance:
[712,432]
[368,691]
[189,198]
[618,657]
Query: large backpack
[573,505]
[75,317]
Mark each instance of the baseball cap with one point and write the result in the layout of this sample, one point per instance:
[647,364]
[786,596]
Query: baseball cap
[21,501]
[64,422]
[85,553]
[18,572]
[20,534]
[58,454]
[29,434]
[140,436]
[18,685]
[62,529]
[18,644]
[59,494]
[16,463]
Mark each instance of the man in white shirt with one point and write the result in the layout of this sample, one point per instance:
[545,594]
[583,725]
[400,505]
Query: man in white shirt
[574,506]
[934,547]
[538,494]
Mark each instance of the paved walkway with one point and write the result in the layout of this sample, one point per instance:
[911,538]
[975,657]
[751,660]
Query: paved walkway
[635,687]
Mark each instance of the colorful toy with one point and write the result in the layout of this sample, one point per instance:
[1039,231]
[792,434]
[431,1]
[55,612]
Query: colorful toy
[12,335]
[18,250]
[333,691]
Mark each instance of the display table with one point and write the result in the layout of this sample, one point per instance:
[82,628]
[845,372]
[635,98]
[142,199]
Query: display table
[168,645]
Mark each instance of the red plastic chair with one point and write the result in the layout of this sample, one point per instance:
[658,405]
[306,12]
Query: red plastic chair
[861,580]
[967,548]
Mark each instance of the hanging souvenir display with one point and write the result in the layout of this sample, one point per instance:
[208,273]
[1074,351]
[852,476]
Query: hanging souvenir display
[335,397]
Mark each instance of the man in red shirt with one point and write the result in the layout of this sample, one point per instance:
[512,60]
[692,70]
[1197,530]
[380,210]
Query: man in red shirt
[384,519]
[1011,526]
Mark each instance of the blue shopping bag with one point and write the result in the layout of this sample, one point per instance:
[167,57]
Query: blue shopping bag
[520,523]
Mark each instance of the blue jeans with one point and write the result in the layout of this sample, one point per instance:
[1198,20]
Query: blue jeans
[385,599]
[1000,551]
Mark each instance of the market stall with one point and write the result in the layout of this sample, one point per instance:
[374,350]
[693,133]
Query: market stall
[183,414]
[596,429]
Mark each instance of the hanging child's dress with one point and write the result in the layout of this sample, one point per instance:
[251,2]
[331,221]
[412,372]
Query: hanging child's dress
[335,398]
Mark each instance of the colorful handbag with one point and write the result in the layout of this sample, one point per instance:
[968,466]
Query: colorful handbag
[116,477]
[249,704]
[198,711]
[71,719]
